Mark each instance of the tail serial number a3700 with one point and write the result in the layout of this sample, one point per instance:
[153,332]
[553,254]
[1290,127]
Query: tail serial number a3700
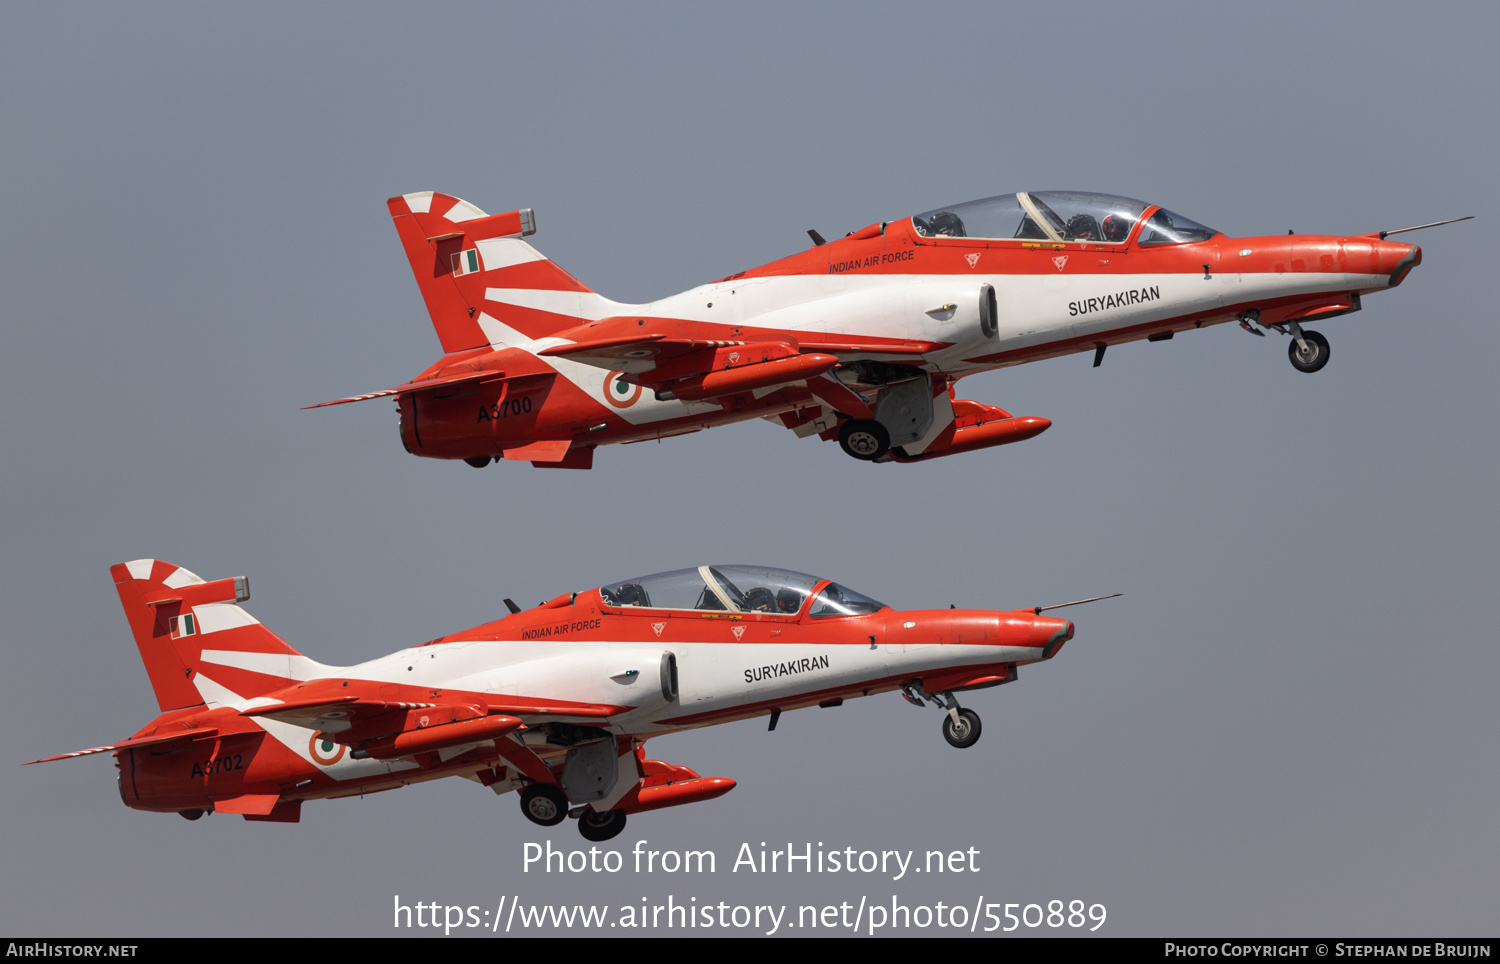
[862,339]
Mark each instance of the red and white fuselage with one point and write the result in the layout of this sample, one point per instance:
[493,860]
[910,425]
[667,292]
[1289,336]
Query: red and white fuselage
[251,726]
[539,368]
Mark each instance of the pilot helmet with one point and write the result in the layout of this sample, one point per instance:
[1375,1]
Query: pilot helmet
[788,600]
[1083,227]
[760,599]
[947,223]
[1117,227]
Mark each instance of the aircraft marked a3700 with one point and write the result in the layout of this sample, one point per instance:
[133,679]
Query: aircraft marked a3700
[556,702]
[862,339]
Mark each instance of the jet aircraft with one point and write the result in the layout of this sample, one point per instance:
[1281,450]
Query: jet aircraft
[556,702]
[862,339]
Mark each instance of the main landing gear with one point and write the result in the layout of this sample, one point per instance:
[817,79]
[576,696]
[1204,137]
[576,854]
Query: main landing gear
[596,826]
[545,804]
[961,727]
[865,439]
[1308,350]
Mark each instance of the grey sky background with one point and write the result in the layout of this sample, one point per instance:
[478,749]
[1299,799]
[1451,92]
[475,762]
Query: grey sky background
[1287,725]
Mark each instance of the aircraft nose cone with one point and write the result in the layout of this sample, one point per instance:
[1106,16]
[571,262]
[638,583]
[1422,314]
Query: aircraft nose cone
[1049,634]
[1399,259]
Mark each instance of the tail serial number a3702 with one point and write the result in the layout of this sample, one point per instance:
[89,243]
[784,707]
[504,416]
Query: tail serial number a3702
[554,702]
[862,339]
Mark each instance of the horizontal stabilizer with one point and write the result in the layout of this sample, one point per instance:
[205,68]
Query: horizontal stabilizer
[598,345]
[200,733]
[548,450]
[417,386]
[259,804]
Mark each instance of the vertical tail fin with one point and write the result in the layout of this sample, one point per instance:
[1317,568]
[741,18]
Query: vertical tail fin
[185,627]
[475,270]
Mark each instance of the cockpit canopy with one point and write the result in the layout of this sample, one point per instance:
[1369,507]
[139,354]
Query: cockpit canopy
[1059,217]
[738,589]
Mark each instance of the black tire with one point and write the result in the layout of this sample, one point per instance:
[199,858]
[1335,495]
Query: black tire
[966,733]
[479,462]
[1314,358]
[597,826]
[864,439]
[190,814]
[545,804]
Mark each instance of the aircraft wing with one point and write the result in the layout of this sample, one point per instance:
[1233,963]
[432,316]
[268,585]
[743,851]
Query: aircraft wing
[692,369]
[870,347]
[199,733]
[343,715]
[626,344]
[321,713]
[597,711]
[611,353]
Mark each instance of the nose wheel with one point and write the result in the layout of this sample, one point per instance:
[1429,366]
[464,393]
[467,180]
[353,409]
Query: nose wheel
[961,728]
[1308,351]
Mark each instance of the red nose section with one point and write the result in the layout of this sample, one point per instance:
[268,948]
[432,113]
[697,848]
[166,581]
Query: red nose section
[1412,259]
[1049,634]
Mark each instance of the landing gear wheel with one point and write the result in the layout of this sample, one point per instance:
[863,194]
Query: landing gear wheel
[965,732]
[190,814]
[479,462]
[598,826]
[545,804]
[1316,355]
[865,439]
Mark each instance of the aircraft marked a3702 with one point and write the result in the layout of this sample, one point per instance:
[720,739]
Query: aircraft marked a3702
[556,702]
[862,339]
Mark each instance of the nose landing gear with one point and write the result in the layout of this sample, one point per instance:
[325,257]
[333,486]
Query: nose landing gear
[1308,350]
[961,727]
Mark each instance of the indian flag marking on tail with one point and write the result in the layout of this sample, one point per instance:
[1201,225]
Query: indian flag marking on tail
[184,625]
[466,262]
